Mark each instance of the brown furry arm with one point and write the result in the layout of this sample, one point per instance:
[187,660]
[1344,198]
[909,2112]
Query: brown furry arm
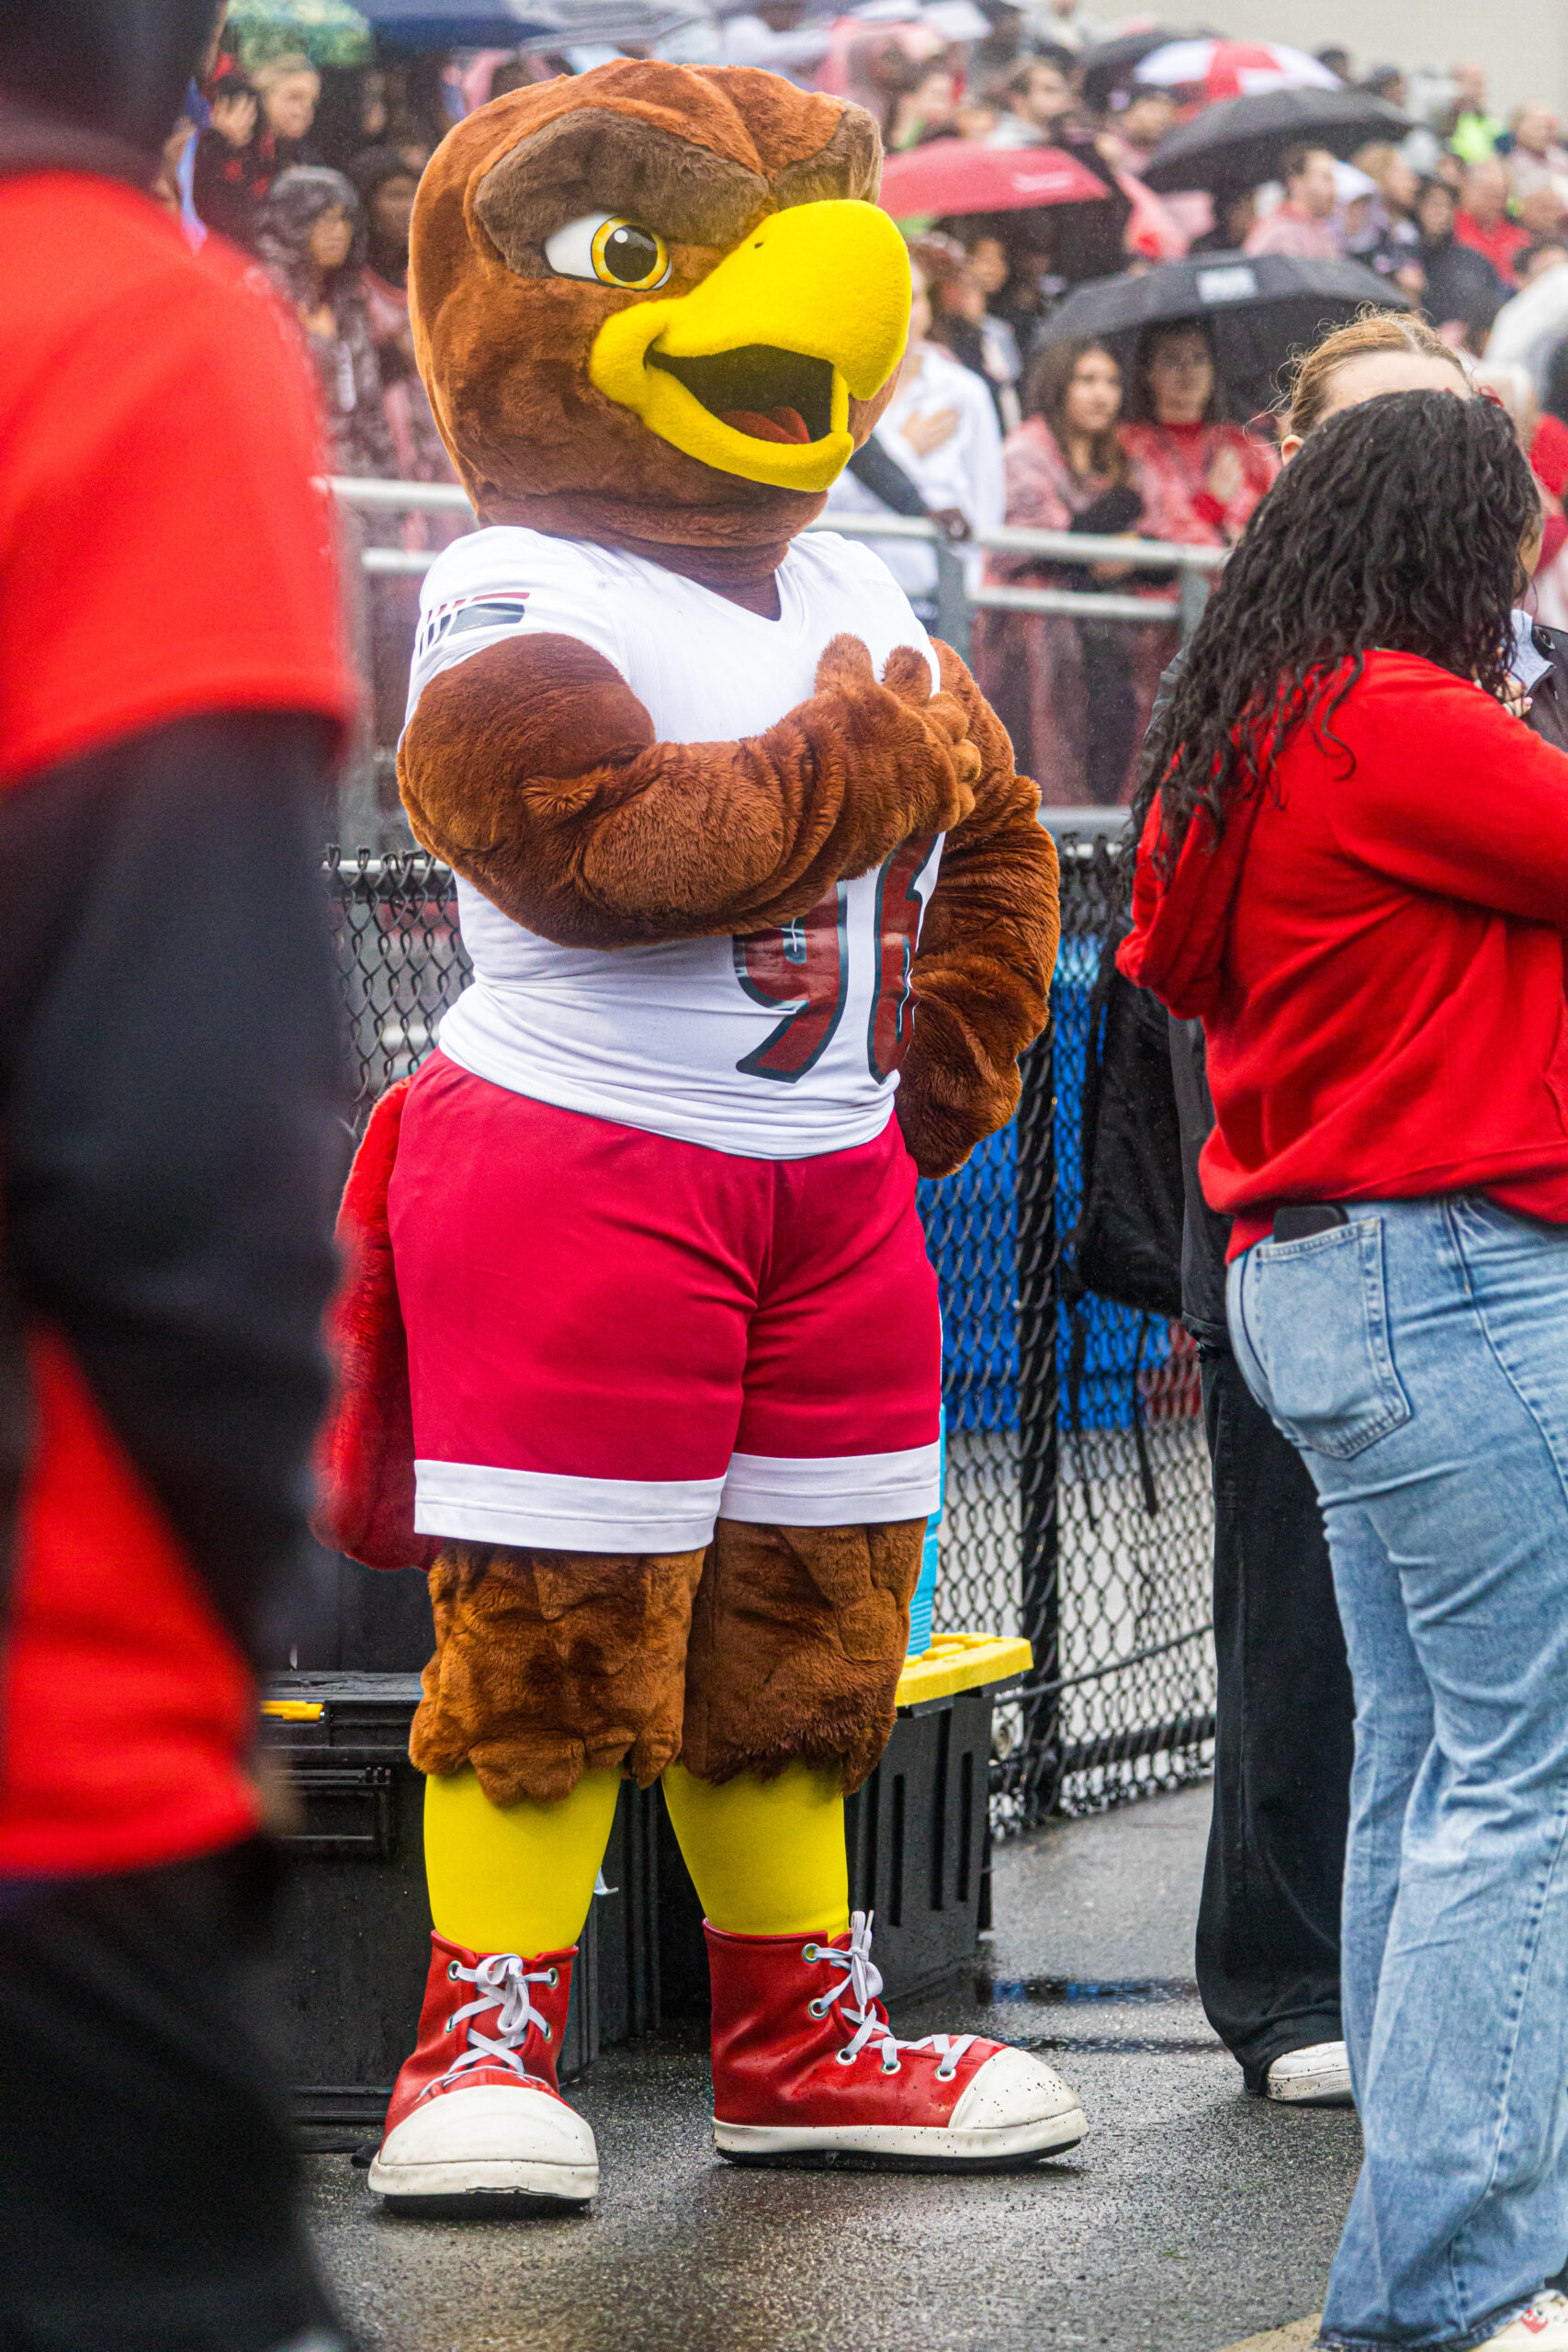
[533,767]
[982,977]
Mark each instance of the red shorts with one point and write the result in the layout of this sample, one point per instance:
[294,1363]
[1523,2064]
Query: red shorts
[615,1337]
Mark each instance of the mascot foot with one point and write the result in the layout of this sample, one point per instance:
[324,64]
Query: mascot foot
[807,2069]
[477,2115]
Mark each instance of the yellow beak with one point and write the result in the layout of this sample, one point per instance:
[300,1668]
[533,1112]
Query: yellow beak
[813,308]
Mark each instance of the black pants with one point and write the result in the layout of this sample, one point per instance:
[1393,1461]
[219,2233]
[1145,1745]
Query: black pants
[1268,1924]
[1111,708]
[147,2182]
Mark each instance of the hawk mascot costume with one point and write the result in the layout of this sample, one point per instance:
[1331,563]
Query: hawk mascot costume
[640,1350]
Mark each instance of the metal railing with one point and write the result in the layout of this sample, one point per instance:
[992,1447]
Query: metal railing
[1193,567]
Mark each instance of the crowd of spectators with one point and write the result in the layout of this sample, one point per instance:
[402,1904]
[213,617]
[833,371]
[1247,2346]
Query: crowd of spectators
[992,420]
[314,171]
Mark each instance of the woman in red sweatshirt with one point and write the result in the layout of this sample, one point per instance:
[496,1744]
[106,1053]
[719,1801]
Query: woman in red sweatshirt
[1355,871]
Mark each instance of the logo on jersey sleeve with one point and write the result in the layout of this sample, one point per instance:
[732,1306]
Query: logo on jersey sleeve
[804,964]
[478,611]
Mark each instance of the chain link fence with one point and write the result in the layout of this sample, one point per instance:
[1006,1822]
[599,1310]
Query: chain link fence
[1086,1530]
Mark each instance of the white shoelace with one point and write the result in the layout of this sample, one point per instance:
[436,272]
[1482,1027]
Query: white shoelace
[858,1988]
[503,1982]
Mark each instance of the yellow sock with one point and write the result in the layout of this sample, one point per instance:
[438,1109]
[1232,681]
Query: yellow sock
[516,1877]
[767,1856]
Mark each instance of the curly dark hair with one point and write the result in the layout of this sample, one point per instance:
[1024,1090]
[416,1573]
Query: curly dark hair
[1398,526]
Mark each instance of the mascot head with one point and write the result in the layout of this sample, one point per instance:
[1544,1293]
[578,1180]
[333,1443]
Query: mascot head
[657,307]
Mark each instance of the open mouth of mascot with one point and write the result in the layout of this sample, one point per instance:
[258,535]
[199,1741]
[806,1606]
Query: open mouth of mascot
[761,391]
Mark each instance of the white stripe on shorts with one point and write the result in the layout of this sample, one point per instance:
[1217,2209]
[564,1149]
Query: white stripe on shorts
[470,1502]
[836,1490]
[473,1502]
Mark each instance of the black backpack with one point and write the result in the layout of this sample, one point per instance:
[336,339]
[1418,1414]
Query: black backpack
[1126,1245]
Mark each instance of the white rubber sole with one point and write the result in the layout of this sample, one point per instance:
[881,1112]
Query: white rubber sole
[485,2177]
[923,2147]
[485,2141]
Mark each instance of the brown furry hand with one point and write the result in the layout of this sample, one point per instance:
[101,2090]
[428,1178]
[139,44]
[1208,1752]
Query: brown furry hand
[907,673]
[929,770]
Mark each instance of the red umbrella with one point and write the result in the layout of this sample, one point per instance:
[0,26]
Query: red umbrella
[1233,69]
[953,176]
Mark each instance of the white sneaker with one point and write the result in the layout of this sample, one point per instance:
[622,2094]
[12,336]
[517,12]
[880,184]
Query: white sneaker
[1316,2076]
[1543,2327]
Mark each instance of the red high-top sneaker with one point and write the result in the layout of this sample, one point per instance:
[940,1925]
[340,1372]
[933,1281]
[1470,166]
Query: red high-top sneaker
[480,2114]
[805,2066]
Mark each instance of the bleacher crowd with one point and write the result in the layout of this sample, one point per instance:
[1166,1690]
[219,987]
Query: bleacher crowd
[1458,213]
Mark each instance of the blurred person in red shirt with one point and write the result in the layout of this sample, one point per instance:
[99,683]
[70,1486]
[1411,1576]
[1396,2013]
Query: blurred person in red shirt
[290,91]
[1482,221]
[1544,440]
[1200,473]
[1302,224]
[172,695]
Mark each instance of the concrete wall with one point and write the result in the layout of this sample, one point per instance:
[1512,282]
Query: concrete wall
[1523,44]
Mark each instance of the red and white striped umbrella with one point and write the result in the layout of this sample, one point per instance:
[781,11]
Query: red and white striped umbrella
[1233,69]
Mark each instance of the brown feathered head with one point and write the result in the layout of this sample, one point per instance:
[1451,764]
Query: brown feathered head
[656,307]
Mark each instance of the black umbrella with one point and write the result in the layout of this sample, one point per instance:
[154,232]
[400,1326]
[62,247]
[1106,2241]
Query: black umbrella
[1108,66]
[1239,143]
[1256,308]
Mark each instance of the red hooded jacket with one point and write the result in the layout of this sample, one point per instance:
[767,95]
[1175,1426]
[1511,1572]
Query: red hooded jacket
[1375,948]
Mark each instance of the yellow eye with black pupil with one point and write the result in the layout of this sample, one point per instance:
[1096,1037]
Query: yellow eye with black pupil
[626,255]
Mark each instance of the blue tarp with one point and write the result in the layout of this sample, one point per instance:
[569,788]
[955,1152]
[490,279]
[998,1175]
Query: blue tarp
[971,1234]
[457,24]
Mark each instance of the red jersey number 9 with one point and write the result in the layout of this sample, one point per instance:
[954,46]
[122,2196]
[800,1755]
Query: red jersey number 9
[804,964]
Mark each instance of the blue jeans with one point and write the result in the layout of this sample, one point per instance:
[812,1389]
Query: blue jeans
[1418,1358]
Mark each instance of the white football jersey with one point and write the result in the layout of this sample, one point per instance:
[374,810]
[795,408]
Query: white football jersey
[774,1047]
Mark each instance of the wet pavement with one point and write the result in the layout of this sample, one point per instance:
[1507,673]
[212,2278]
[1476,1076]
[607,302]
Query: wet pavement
[1191,2218]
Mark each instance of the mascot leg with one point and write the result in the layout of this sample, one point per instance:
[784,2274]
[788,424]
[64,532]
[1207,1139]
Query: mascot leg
[552,1671]
[796,1822]
[514,1877]
[798,1637]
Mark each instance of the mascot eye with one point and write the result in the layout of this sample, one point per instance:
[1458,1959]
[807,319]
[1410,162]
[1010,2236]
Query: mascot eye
[615,252]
